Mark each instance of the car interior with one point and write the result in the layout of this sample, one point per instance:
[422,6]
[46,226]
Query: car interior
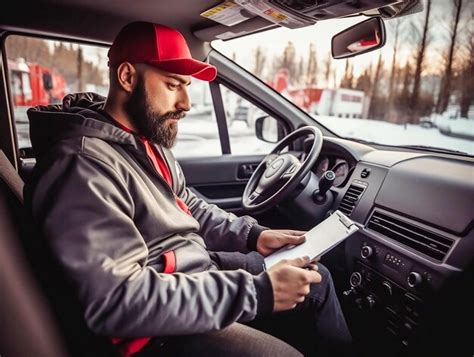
[405,279]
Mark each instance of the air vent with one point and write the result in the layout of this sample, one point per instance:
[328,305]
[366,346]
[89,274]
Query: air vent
[414,237]
[350,199]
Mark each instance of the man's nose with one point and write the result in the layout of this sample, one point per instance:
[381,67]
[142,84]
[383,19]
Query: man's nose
[184,102]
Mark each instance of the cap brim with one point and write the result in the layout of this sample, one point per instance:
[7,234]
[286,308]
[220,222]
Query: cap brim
[188,67]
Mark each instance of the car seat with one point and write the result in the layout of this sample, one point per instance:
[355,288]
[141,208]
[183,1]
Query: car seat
[39,314]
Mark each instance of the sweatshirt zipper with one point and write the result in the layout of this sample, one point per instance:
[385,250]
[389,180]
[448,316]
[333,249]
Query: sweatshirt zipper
[169,188]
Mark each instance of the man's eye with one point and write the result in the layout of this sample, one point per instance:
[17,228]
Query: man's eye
[173,86]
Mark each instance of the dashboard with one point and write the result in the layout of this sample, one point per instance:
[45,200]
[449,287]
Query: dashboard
[415,214]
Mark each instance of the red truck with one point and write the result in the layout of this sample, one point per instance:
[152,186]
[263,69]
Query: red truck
[33,84]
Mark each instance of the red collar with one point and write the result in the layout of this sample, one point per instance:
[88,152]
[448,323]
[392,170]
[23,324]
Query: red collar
[121,126]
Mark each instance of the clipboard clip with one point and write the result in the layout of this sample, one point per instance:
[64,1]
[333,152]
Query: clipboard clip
[344,220]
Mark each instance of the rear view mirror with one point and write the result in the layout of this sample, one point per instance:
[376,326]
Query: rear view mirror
[363,37]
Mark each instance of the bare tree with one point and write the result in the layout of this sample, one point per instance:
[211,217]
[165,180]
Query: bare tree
[80,59]
[467,75]
[301,76]
[312,69]
[364,81]
[445,90]
[347,80]
[393,71]
[288,61]
[350,79]
[374,88]
[407,76]
[260,59]
[419,65]
[328,69]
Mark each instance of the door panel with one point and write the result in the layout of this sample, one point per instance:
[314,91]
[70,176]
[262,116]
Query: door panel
[220,180]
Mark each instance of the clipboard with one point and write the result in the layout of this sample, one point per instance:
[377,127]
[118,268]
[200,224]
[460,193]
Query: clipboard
[319,240]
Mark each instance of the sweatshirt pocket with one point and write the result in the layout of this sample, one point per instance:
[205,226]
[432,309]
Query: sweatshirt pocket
[192,258]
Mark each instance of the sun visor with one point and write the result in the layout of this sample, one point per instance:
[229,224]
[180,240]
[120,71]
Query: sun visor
[301,13]
[242,17]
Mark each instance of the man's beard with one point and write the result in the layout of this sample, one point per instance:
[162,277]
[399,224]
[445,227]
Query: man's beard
[156,128]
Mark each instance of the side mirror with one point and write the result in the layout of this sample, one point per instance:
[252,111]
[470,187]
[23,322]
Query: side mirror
[268,129]
[363,37]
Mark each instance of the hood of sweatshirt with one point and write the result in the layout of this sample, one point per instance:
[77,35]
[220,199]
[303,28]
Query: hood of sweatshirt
[79,115]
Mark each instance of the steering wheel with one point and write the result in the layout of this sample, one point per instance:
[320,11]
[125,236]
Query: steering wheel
[279,173]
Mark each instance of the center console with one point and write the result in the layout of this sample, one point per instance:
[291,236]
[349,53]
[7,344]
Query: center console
[402,255]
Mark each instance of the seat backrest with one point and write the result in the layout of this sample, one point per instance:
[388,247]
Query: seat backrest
[11,185]
[10,177]
[41,312]
[28,324]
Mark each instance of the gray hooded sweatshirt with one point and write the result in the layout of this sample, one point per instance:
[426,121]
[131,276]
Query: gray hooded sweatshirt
[109,217]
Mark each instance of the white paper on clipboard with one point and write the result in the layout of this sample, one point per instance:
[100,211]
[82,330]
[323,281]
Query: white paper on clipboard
[319,240]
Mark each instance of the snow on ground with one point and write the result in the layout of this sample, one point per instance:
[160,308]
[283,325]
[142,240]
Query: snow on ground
[198,135]
[200,138]
[395,134]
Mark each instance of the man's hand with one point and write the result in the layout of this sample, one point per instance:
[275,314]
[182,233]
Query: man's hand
[272,239]
[291,282]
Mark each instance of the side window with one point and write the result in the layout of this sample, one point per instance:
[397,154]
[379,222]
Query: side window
[241,118]
[42,72]
[198,134]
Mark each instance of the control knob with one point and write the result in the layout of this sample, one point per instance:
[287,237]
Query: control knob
[414,279]
[355,279]
[366,251]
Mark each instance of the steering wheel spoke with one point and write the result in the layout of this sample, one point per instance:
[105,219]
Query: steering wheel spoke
[288,174]
[254,196]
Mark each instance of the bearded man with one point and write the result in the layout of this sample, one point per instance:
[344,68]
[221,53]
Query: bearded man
[156,269]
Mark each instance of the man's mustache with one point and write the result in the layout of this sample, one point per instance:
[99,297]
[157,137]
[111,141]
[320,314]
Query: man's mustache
[179,114]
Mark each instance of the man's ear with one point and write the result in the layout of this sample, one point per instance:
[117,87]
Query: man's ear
[127,76]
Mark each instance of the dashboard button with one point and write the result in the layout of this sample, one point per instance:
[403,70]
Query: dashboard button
[365,173]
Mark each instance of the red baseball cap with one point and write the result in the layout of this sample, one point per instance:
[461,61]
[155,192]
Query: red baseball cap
[160,46]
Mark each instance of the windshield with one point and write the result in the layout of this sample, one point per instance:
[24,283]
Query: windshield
[416,90]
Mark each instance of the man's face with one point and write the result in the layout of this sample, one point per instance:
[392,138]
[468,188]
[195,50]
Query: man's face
[157,102]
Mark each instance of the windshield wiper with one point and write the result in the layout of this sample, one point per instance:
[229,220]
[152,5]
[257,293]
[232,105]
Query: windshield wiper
[419,147]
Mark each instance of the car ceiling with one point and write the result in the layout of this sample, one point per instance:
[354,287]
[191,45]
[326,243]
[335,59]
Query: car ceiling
[99,20]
